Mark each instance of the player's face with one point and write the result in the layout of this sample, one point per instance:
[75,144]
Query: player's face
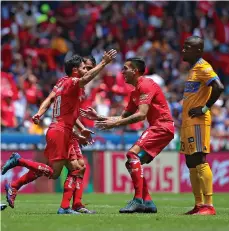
[128,72]
[82,70]
[89,65]
[189,51]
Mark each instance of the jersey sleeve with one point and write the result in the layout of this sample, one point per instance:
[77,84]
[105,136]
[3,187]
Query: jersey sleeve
[59,82]
[207,74]
[146,92]
[55,88]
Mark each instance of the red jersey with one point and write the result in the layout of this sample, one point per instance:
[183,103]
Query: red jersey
[148,92]
[66,103]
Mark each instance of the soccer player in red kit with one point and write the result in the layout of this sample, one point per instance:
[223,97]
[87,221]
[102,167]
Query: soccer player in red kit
[65,113]
[146,101]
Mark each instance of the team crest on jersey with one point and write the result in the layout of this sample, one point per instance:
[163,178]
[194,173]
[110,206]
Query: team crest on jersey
[191,139]
[143,96]
[74,80]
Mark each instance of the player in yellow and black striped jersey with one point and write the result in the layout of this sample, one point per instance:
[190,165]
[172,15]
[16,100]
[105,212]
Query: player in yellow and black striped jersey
[202,89]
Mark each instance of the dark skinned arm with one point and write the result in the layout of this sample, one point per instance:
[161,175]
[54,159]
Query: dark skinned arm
[217,89]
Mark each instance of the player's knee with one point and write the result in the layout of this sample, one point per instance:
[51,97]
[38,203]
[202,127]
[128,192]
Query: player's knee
[127,164]
[132,156]
[83,169]
[55,175]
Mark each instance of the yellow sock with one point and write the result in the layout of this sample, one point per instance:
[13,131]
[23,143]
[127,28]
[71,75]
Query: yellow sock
[196,189]
[205,177]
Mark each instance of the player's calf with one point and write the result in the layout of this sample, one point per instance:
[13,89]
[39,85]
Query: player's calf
[57,167]
[17,160]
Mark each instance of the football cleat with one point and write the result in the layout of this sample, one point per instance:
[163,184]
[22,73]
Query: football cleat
[67,211]
[150,207]
[134,206]
[84,210]
[11,163]
[3,206]
[11,194]
[206,210]
[194,210]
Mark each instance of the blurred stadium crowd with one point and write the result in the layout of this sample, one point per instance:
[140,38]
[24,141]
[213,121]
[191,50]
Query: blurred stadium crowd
[38,36]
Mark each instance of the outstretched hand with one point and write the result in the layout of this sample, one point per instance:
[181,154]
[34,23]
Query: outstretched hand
[89,113]
[109,56]
[87,134]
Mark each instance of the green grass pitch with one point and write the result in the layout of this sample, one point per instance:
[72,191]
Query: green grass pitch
[37,212]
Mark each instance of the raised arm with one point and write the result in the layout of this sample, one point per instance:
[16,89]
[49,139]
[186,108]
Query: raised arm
[107,58]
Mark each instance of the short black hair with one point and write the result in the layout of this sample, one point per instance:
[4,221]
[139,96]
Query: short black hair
[196,41]
[138,63]
[91,58]
[69,64]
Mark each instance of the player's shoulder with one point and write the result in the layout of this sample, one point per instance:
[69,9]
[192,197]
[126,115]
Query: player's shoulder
[61,80]
[145,81]
[203,66]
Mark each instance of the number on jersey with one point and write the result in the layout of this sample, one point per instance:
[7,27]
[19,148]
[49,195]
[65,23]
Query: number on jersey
[56,107]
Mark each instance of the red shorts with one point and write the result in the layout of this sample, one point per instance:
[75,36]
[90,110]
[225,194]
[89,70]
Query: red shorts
[156,138]
[57,144]
[74,150]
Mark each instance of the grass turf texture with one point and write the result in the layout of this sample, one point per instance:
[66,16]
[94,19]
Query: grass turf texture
[37,212]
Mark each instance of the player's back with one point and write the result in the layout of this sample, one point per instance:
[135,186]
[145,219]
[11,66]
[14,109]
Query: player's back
[197,92]
[66,103]
[148,92]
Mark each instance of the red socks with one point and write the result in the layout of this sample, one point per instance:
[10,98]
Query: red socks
[25,179]
[134,167]
[36,167]
[77,196]
[145,194]
[69,187]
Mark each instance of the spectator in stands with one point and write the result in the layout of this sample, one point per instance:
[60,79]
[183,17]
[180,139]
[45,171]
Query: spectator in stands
[36,36]
[8,118]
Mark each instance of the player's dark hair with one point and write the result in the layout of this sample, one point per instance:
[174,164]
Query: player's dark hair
[91,58]
[69,64]
[196,40]
[138,63]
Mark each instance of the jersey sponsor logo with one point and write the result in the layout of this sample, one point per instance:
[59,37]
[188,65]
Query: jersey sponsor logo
[74,80]
[143,97]
[191,86]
